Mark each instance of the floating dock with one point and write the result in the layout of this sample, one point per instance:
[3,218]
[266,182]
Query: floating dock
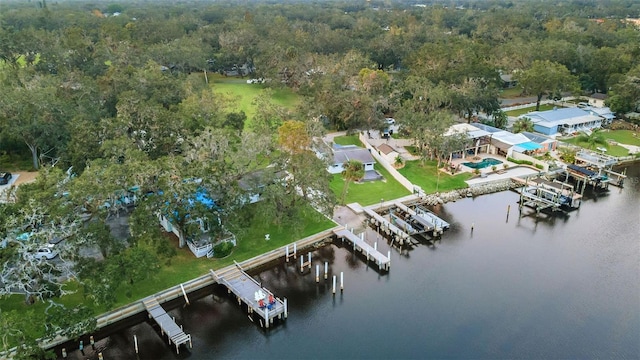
[167,324]
[258,299]
[383,262]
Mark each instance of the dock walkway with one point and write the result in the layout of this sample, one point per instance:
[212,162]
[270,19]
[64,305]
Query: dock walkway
[168,326]
[383,262]
[258,299]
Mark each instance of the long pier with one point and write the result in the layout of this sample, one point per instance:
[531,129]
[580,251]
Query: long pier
[168,326]
[383,262]
[258,299]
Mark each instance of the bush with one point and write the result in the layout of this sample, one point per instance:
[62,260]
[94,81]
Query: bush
[539,166]
[520,162]
[222,249]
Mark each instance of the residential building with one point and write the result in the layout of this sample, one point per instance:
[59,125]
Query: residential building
[564,121]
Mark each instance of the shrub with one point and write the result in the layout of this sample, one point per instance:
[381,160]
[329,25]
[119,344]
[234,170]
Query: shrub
[539,166]
[222,249]
[494,168]
[505,165]
[520,162]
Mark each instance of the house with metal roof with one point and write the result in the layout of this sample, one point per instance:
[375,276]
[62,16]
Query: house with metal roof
[564,121]
[603,112]
[505,142]
[546,143]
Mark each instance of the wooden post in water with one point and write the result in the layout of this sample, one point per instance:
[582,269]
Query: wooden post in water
[326,269]
[266,317]
[367,255]
[317,273]
[135,343]
[295,250]
[389,257]
[100,356]
[92,342]
[287,253]
[375,246]
[64,353]
[341,281]
[301,263]
[309,261]
[81,347]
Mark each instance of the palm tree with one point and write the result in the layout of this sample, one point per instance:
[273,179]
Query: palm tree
[593,139]
[353,171]
[524,124]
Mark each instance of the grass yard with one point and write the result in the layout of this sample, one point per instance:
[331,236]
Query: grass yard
[370,192]
[243,94]
[512,93]
[613,150]
[348,140]
[426,176]
[622,136]
[543,107]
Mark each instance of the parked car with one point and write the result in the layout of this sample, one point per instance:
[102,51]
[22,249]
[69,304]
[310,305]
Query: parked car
[47,252]
[5,177]
[390,121]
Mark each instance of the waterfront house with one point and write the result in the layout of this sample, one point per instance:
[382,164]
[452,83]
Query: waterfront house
[479,139]
[564,121]
[546,143]
[342,154]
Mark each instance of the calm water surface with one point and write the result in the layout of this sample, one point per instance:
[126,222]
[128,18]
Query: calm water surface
[515,287]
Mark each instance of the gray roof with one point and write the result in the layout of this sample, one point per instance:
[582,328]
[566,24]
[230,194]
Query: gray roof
[487,128]
[572,115]
[340,156]
[536,137]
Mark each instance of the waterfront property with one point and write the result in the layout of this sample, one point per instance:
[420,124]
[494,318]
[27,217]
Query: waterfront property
[343,154]
[564,121]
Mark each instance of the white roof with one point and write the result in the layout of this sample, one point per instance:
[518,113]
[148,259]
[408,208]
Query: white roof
[509,138]
[472,131]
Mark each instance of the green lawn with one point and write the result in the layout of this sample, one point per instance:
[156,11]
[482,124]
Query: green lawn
[613,150]
[348,140]
[426,176]
[622,136]
[370,192]
[243,94]
[512,93]
[543,107]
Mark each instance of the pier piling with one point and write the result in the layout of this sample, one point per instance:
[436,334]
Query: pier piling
[326,269]
[317,273]
[334,284]
[341,281]
[64,353]
[135,343]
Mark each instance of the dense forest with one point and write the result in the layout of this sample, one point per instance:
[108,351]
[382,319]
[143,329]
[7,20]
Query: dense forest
[101,97]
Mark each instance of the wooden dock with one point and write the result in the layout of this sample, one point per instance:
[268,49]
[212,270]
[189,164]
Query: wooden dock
[259,300]
[167,324]
[383,262]
[387,227]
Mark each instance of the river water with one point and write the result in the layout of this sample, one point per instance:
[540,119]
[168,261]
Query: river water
[561,286]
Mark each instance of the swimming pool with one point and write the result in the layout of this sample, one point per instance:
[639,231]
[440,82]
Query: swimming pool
[486,162]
